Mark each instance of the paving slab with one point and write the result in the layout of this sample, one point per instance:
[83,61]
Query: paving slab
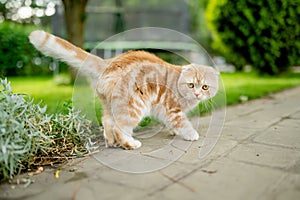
[282,134]
[285,188]
[265,155]
[223,179]
[238,133]
[221,147]
[296,115]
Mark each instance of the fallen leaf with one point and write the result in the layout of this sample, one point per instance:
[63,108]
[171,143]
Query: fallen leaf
[209,171]
[57,174]
[73,170]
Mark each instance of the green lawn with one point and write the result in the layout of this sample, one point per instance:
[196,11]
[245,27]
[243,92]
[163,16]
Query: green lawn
[237,86]
[43,89]
[251,86]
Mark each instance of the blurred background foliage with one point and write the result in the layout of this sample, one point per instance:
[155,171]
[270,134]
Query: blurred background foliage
[263,34]
[17,55]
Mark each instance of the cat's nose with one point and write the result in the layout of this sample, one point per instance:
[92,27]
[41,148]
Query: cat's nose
[196,94]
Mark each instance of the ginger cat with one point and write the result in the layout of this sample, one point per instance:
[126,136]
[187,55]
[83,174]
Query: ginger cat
[136,84]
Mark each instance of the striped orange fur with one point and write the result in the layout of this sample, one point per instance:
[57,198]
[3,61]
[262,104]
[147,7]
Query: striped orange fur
[136,84]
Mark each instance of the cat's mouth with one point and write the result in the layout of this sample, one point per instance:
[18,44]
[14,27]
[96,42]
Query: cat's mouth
[201,98]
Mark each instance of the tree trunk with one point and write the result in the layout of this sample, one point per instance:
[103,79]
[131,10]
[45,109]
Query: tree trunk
[74,19]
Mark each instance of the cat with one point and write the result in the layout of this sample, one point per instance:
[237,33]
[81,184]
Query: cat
[136,84]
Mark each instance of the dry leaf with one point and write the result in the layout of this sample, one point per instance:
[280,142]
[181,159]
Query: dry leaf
[209,171]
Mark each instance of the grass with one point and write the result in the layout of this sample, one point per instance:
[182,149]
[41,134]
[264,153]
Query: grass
[247,86]
[239,87]
[43,89]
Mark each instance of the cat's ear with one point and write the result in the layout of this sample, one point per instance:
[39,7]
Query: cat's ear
[216,72]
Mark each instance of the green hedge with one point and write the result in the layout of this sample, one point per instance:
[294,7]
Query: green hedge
[264,34]
[17,55]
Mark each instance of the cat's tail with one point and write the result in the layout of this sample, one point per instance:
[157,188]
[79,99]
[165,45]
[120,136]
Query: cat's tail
[60,49]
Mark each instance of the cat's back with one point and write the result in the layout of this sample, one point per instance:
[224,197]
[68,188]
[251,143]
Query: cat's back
[132,60]
[135,69]
[130,57]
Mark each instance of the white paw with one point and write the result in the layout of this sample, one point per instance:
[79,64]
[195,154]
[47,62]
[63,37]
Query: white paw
[136,144]
[191,136]
[132,144]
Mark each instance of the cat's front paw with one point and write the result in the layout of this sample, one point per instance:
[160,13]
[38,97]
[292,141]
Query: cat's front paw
[191,136]
[131,144]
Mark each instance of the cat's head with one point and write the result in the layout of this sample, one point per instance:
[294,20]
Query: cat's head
[198,82]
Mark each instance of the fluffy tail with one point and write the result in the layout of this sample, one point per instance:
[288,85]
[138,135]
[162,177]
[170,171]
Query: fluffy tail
[60,49]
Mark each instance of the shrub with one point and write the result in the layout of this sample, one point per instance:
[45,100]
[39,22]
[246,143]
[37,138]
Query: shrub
[30,138]
[17,55]
[264,34]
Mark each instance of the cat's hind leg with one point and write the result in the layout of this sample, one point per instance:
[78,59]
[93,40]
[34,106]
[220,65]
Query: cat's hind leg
[127,111]
[116,133]
[124,123]
[108,124]
[125,139]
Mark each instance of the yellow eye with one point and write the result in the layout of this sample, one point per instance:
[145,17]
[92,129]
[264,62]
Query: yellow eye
[191,85]
[205,87]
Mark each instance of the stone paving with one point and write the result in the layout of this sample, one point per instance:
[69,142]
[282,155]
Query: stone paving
[257,156]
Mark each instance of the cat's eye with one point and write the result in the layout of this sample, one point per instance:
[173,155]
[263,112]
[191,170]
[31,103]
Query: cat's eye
[205,87]
[191,85]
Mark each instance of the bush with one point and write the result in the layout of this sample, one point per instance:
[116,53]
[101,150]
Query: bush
[30,138]
[17,55]
[264,34]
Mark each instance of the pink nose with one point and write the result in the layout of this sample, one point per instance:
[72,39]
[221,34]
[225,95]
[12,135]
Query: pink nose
[196,94]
